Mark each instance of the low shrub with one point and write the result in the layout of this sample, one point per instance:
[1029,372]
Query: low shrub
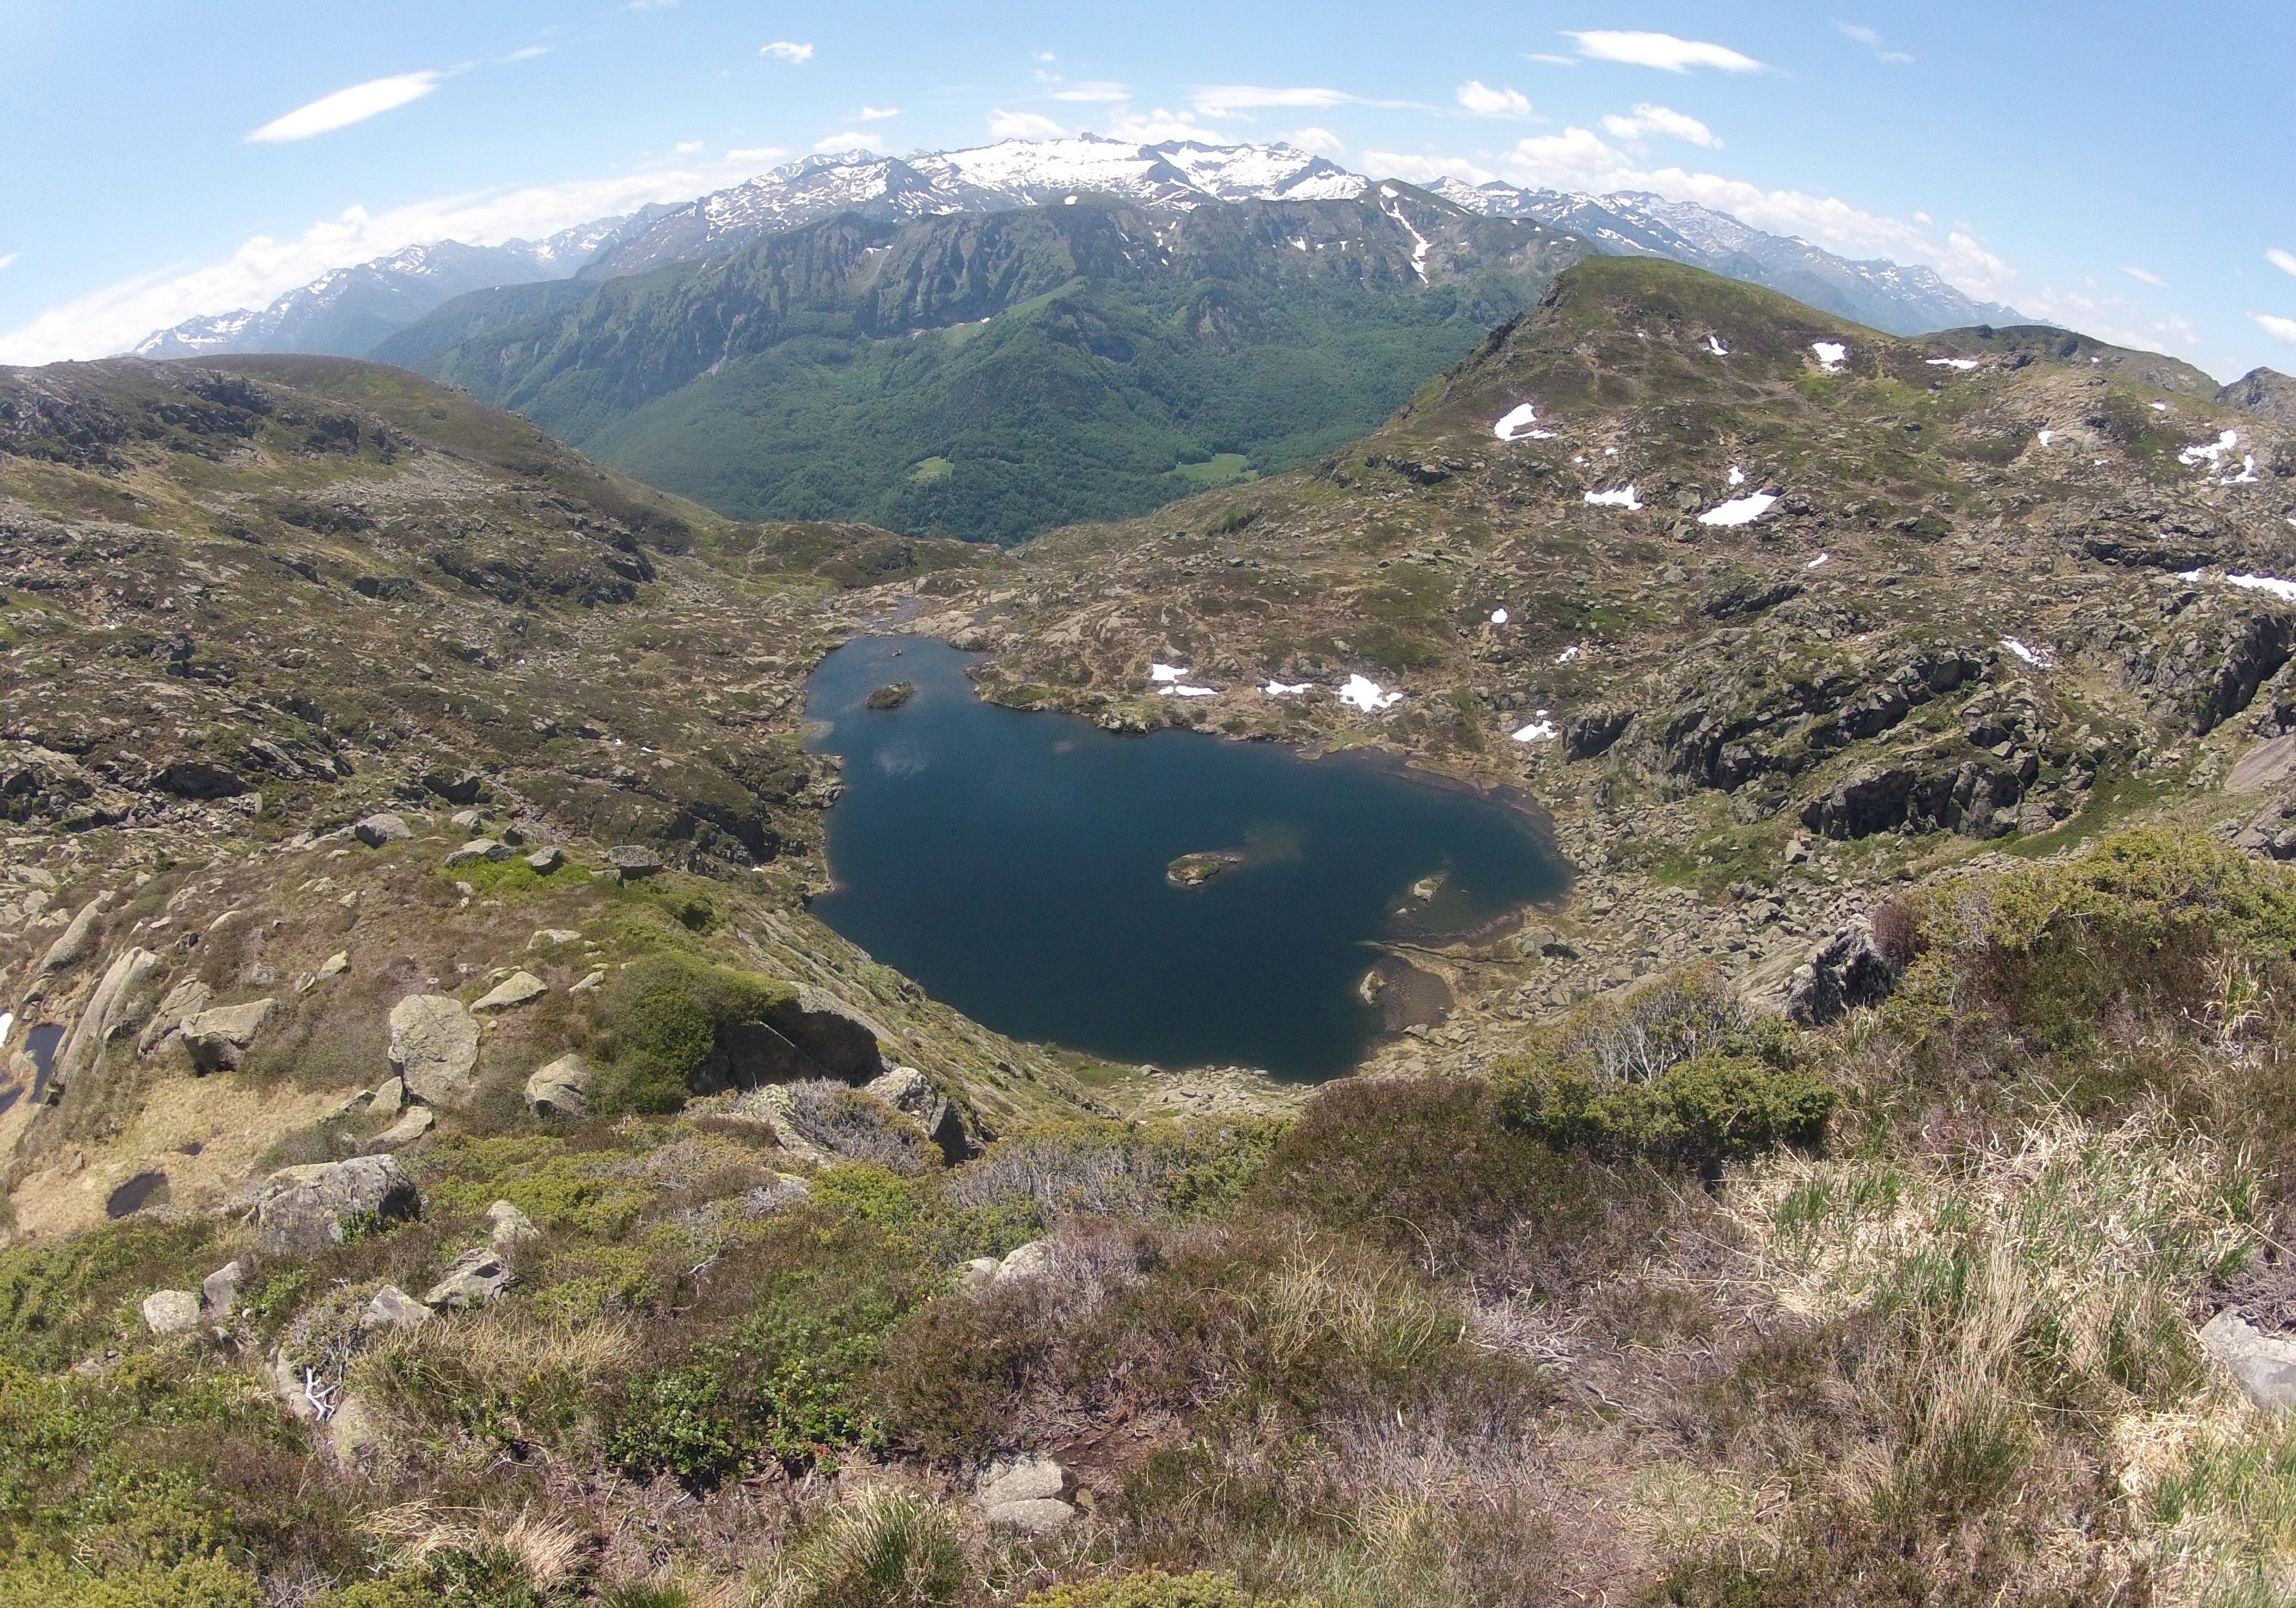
[666,1015]
[848,1124]
[1701,1112]
[882,1549]
[1153,1588]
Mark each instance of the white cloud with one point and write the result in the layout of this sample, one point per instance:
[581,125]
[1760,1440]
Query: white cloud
[527,53]
[2283,261]
[1024,125]
[346,107]
[1424,169]
[1318,142]
[1097,90]
[1550,61]
[1664,51]
[116,316]
[2280,328]
[1483,100]
[878,114]
[8,261]
[787,50]
[687,147]
[1159,126]
[1649,120]
[1226,100]
[757,154]
[1871,39]
[838,144]
[2139,273]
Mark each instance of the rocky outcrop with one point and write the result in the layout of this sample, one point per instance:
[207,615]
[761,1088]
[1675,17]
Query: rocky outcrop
[392,1308]
[110,1010]
[78,942]
[471,1279]
[1974,798]
[302,1211]
[218,1038]
[380,828]
[1593,731]
[416,1122]
[1845,973]
[186,999]
[434,1045]
[909,1092]
[512,1227]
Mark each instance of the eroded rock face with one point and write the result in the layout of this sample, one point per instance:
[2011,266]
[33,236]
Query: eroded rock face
[434,1045]
[1846,972]
[304,1209]
[218,1038]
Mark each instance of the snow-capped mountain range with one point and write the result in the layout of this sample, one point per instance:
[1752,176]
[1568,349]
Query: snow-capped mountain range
[351,310]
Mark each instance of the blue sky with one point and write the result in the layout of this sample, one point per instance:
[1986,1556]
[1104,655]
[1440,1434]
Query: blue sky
[2121,167]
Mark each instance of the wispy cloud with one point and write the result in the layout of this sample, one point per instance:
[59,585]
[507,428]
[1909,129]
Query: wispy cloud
[1871,39]
[8,261]
[651,6]
[1664,51]
[1483,100]
[115,317]
[1317,141]
[787,50]
[1226,100]
[2283,260]
[2279,329]
[840,144]
[1552,60]
[878,114]
[757,154]
[2136,272]
[528,52]
[1093,91]
[346,107]
[1154,127]
[1424,169]
[1649,120]
[1024,125]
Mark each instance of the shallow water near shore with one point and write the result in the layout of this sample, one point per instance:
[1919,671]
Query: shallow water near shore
[1014,864]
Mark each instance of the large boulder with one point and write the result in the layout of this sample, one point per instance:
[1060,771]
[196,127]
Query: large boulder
[413,1125]
[220,1038]
[434,1045]
[520,988]
[302,1211]
[392,1308]
[908,1091]
[110,1010]
[186,999]
[560,1089]
[1024,1494]
[78,942]
[377,830]
[471,1279]
[171,1311]
[478,848]
[1846,972]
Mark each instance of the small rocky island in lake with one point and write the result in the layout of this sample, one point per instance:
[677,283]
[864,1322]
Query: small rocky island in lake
[892,694]
[1195,870]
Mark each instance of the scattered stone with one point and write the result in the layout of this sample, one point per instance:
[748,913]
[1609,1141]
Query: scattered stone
[186,999]
[1035,1518]
[471,1279]
[551,937]
[219,1290]
[516,990]
[1025,1261]
[218,1038]
[171,1311]
[2264,1364]
[560,1089]
[404,1131]
[634,860]
[591,984]
[355,1433]
[545,861]
[478,848]
[388,1096]
[375,831]
[908,1091]
[434,1045]
[335,965]
[393,1308]
[512,1227]
[1030,1478]
[467,820]
[302,1211]
[1842,974]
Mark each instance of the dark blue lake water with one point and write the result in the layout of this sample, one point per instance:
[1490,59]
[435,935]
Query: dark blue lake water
[1014,864]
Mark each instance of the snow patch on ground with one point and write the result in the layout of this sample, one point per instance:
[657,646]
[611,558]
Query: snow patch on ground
[1166,673]
[2159,407]
[1287,689]
[1831,354]
[1963,363]
[1714,345]
[1814,562]
[1180,690]
[1498,617]
[2032,656]
[2045,436]
[2271,584]
[1541,729]
[1514,424]
[1365,694]
[1567,655]
[1739,510]
[1623,497]
[1737,475]
[2208,452]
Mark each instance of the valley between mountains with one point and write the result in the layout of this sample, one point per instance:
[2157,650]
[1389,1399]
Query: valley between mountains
[447,1162]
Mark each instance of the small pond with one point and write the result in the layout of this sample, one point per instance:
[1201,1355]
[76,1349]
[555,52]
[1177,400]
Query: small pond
[1020,866]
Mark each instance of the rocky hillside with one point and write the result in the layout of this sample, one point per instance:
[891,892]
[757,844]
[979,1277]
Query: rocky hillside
[446,1165]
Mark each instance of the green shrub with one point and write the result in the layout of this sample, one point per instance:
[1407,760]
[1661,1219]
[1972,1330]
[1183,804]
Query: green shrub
[679,1422]
[201,1582]
[881,1550]
[1700,1113]
[668,1013]
[1152,1588]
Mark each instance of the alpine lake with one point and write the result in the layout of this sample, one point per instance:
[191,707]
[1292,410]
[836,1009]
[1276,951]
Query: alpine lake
[1179,899]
